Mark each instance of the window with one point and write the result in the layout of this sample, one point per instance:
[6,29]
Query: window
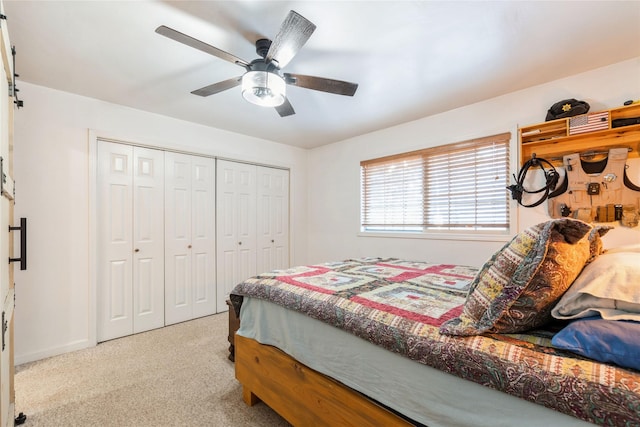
[459,186]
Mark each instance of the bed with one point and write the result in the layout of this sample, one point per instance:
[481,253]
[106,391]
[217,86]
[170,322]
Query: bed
[385,341]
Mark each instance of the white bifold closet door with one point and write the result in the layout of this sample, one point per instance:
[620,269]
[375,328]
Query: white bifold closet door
[273,219]
[130,234]
[252,223]
[190,280]
[236,225]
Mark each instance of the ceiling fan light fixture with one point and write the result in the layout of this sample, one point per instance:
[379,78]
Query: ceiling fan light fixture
[263,88]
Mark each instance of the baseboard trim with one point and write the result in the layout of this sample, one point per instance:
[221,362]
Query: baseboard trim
[53,351]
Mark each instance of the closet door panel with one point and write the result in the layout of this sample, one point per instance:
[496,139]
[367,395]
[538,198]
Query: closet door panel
[226,235]
[190,237]
[245,214]
[177,237]
[203,237]
[119,293]
[227,271]
[236,226]
[144,290]
[181,279]
[227,241]
[226,219]
[273,219]
[148,239]
[115,245]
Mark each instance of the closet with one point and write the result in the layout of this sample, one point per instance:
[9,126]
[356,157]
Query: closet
[252,204]
[176,232]
[130,233]
[190,287]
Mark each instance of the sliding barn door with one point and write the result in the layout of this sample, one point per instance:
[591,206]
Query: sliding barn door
[189,237]
[130,253]
[7,395]
[272,219]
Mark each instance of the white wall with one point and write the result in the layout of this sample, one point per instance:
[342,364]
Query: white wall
[53,189]
[52,180]
[334,169]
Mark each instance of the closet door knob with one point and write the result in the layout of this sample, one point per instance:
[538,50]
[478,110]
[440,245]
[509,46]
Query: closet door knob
[272,241]
[239,243]
[136,250]
[189,246]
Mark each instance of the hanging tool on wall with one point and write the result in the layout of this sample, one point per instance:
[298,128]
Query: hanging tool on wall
[551,180]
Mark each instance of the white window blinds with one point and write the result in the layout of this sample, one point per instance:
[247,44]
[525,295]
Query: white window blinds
[459,186]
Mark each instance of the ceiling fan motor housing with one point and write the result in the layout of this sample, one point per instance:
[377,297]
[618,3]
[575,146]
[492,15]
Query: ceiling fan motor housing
[262,47]
[260,64]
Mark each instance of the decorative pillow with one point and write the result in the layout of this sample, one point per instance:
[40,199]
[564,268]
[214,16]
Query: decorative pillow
[614,341]
[596,243]
[609,287]
[519,285]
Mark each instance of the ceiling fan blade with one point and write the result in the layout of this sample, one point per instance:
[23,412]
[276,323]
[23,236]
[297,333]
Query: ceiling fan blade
[285,109]
[337,87]
[294,33]
[218,87]
[197,44]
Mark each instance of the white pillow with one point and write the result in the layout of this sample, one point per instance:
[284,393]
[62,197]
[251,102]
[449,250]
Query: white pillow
[609,287]
[626,248]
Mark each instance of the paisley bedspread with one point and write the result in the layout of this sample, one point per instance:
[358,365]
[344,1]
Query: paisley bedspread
[400,305]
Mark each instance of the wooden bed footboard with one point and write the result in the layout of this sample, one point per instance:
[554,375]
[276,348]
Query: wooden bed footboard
[301,395]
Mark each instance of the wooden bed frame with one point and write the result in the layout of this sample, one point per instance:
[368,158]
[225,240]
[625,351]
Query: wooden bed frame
[301,395]
[297,393]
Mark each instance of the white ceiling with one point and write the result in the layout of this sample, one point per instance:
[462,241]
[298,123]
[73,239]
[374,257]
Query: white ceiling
[411,59]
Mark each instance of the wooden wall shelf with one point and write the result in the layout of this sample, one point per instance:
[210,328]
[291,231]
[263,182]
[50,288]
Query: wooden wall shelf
[551,140]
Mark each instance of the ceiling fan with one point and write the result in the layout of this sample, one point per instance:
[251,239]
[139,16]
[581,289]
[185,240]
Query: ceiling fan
[264,83]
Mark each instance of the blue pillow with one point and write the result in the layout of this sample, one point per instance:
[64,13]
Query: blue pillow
[615,341]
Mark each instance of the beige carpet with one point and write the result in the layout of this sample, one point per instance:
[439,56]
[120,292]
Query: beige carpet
[173,376]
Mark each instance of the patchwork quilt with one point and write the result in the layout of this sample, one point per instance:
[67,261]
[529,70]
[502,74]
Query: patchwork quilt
[400,306]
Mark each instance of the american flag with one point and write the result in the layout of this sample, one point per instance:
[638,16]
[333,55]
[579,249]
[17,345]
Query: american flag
[588,123]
